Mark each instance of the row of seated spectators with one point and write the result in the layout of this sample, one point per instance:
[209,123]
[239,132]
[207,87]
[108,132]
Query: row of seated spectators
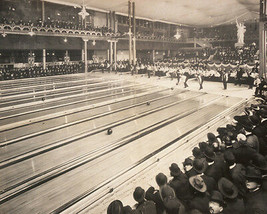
[7,73]
[246,54]
[226,174]
[54,24]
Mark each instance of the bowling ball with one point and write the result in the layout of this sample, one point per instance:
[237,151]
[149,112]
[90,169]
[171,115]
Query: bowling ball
[148,103]
[172,88]
[109,132]
[43,99]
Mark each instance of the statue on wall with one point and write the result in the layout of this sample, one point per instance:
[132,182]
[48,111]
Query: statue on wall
[241,29]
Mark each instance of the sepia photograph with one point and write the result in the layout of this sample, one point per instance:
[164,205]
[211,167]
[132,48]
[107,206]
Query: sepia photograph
[133,106]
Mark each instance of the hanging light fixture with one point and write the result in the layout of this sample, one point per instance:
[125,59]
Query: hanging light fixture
[4,34]
[83,12]
[93,42]
[31,33]
[177,35]
[65,39]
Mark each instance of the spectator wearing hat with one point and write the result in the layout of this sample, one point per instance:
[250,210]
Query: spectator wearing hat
[255,199]
[200,165]
[200,200]
[215,167]
[230,193]
[242,152]
[143,206]
[171,203]
[116,207]
[260,163]
[202,146]
[236,171]
[180,183]
[188,167]
[197,153]
[155,195]
[216,203]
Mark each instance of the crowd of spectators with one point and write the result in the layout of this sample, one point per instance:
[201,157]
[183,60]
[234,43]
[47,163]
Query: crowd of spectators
[51,23]
[227,173]
[7,73]
[246,54]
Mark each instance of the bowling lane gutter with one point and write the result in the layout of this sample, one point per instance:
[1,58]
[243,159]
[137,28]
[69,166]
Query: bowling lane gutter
[53,92]
[57,144]
[41,87]
[63,114]
[71,103]
[54,172]
[4,109]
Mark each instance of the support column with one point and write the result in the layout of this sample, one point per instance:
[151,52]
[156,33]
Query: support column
[44,59]
[82,55]
[85,56]
[43,11]
[134,38]
[110,54]
[130,31]
[153,56]
[262,50]
[115,55]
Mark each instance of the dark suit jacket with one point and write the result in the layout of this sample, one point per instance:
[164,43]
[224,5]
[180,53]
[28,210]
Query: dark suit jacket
[256,202]
[235,206]
[215,171]
[199,202]
[182,187]
[238,178]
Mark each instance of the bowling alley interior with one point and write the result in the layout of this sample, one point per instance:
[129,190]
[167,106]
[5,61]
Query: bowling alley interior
[133,107]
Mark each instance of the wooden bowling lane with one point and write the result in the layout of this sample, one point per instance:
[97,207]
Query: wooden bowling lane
[86,148]
[18,83]
[128,107]
[45,122]
[53,93]
[85,177]
[47,86]
[68,103]
[39,104]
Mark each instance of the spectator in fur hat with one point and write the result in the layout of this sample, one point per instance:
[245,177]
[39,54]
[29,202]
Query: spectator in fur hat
[143,206]
[230,193]
[236,171]
[255,199]
[201,199]
[180,183]
[216,203]
[188,167]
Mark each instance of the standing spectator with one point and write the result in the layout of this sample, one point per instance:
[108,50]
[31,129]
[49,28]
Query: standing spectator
[143,206]
[230,193]
[224,79]
[200,201]
[216,203]
[180,183]
[255,199]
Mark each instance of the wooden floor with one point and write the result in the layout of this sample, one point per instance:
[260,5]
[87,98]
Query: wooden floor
[54,148]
